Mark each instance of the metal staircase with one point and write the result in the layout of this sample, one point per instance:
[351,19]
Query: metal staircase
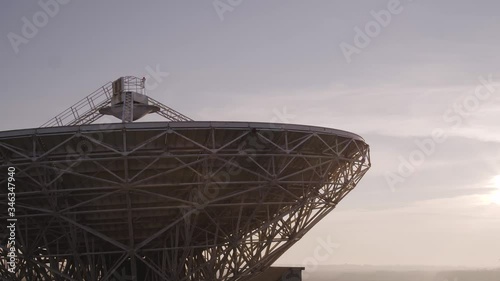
[169,113]
[84,111]
[87,110]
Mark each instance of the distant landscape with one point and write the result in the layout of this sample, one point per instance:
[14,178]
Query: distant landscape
[374,273]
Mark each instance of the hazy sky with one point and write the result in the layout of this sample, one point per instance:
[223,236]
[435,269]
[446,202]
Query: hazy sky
[396,73]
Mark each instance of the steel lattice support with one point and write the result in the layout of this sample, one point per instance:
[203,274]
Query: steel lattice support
[171,201]
[87,110]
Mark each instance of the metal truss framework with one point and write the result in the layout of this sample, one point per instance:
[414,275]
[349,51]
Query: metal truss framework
[86,111]
[171,200]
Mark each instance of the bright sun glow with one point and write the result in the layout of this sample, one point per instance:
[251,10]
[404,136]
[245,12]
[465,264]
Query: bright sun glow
[495,196]
[496,181]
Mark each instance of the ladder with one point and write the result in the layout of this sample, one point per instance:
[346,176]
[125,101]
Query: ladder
[128,108]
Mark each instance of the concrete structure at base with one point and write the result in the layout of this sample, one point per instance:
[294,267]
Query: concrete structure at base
[171,200]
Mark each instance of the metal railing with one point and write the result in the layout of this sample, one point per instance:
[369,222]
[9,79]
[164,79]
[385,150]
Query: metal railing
[86,111]
[167,112]
[133,84]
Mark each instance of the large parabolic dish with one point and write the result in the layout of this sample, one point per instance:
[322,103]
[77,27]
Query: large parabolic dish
[176,200]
